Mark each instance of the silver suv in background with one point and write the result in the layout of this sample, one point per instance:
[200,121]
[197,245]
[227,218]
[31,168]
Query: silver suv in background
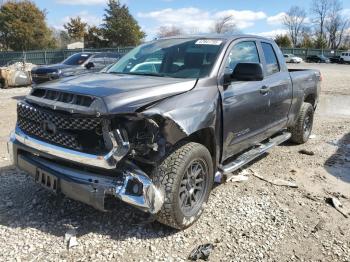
[345,57]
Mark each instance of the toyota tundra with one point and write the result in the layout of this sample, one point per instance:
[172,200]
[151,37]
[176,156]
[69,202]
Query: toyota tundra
[160,126]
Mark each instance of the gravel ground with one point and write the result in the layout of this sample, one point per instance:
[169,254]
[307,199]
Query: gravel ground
[249,221]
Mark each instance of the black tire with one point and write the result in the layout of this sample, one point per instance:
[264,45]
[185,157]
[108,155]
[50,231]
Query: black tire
[171,175]
[302,128]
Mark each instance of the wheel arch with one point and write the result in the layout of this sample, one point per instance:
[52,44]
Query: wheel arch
[205,137]
[311,99]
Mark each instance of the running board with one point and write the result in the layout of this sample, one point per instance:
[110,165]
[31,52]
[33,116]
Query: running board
[254,153]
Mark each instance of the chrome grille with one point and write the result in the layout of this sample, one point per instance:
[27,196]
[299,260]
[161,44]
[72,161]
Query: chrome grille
[62,122]
[60,139]
[68,130]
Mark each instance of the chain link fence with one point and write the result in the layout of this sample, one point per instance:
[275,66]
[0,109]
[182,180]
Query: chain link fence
[304,52]
[44,57]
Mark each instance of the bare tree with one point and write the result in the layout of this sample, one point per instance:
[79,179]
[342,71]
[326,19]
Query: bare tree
[346,42]
[166,31]
[294,21]
[320,9]
[335,24]
[225,25]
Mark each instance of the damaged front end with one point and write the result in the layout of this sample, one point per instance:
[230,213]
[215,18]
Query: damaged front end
[132,146]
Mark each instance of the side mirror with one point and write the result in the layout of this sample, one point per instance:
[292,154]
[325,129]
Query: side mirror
[89,65]
[247,72]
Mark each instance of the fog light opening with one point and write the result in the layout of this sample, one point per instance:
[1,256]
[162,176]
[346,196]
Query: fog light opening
[134,187]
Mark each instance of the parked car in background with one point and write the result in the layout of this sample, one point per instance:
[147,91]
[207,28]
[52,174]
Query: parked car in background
[158,126]
[76,64]
[290,58]
[317,59]
[345,57]
[334,59]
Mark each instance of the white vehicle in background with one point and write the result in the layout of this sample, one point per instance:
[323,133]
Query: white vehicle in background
[290,58]
[345,57]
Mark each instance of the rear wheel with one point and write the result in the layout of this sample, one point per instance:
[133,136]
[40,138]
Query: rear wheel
[302,128]
[186,177]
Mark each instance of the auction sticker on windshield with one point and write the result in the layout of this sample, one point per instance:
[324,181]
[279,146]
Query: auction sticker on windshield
[208,42]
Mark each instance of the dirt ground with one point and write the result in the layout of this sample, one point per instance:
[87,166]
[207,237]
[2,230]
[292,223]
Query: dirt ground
[249,221]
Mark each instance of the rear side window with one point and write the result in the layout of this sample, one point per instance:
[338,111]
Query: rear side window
[272,65]
[243,52]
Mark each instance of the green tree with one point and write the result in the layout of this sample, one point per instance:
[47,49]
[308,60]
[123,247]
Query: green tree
[62,38]
[320,42]
[283,41]
[307,42]
[120,27]
[76,28]
[94,38]
[23,27]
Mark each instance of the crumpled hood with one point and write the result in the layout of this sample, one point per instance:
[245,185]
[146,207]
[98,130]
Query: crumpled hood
[122,93]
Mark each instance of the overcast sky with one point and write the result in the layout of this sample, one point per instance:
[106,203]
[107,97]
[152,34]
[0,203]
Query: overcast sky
[251,16]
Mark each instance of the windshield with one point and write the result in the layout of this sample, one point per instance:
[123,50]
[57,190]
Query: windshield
[179,58]
[76,59]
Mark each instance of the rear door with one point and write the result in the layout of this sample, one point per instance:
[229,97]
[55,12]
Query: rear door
[278,87]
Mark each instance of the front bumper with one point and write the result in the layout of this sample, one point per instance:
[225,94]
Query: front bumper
[42,78]
[107,161]
[130,184]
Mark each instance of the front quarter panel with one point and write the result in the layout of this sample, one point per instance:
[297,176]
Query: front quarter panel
[188,112]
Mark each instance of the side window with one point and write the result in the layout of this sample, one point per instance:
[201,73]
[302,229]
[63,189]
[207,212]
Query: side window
[98,59]
[243,52]
[270,58]
[111,58]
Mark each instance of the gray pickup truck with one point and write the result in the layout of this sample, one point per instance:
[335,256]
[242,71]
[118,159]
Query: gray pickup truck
[159,127]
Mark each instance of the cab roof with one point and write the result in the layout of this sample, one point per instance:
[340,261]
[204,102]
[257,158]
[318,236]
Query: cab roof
[225,37]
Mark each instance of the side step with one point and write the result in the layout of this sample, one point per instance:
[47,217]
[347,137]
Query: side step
[250,155]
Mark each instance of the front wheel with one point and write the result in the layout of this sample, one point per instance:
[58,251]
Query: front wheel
[186,178]
[302,128]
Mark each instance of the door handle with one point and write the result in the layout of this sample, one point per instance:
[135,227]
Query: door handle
[265,90]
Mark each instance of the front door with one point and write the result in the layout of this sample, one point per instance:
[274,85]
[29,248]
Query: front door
[245,105]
